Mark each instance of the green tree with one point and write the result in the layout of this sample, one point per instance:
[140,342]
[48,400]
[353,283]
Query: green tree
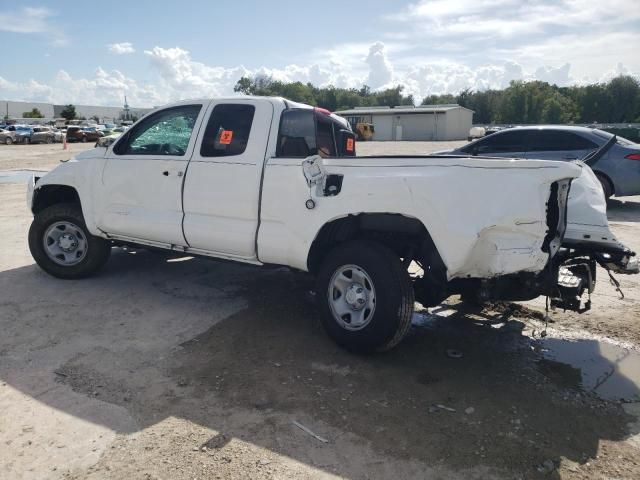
[438,99]
[593,102]
[329,97]
[244,85]
[624,93]
[521,102]
[34,113]
[558,109]
[69,112]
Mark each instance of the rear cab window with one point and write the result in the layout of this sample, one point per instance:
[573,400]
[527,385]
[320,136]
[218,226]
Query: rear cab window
[297,136]
[306,132]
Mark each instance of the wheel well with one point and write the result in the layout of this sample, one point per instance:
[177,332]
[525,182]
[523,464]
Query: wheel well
[48,195]
[599,174]
[406,236]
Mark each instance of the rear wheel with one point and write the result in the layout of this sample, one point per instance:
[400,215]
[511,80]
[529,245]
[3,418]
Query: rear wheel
[27,140]
[62,246]
[366,297]
[49,140]
[8,141]
[606,185]
[84,139]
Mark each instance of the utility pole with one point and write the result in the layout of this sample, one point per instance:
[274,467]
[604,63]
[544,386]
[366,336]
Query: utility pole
[126,108]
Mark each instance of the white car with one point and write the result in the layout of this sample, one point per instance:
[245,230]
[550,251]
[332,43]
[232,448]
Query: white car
[268,181]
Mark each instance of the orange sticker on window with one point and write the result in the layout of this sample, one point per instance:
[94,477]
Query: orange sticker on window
[226,136]
[350,144]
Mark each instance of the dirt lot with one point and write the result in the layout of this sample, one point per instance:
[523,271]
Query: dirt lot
[165,367]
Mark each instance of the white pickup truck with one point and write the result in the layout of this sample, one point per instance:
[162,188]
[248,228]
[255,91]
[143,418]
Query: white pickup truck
[269,181]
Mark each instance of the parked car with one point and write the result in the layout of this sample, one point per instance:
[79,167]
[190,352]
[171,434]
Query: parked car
[23,133]
[58,135]
[618,171]
[266,181]
[475,133]
[108,140]
[7,137]
[83,134]
[42,135]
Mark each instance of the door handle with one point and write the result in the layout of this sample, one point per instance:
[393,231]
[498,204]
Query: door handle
[166,173]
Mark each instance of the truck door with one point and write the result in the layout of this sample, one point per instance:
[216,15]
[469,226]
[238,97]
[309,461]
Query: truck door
[222,185]
[141,194]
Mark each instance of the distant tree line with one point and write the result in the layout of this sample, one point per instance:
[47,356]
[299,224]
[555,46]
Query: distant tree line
[617,101]
[331,98]
[34,113]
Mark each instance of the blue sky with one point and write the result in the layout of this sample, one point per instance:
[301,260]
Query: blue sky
[155,52]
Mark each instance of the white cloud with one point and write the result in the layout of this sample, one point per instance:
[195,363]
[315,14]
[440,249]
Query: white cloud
[555,76]
[102,88]
[30,20]
[179,76]
[121,48]
[380,69]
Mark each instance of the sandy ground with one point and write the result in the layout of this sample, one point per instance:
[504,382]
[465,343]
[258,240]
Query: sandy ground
[38,156]
[165,367]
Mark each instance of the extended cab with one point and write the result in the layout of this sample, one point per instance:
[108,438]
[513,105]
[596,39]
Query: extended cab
[268,181]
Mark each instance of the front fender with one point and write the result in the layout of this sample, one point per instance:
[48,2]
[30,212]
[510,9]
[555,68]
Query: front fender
[79,174]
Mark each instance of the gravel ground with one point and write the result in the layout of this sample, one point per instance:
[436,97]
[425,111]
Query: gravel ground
[38,156]
[175,368]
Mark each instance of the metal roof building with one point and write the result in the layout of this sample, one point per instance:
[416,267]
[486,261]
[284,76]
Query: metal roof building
[426,122]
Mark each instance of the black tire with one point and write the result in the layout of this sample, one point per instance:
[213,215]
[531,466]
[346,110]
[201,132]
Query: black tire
[8,141]
[27,140]
[49,140]
[391,318]
[84,139]
[97,252]
[606,185]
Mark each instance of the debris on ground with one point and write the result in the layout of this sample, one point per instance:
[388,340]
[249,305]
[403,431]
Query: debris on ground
[453,353]
[444,407]
[305,429]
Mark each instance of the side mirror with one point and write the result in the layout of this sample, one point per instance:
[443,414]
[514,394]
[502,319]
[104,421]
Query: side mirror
[346,143]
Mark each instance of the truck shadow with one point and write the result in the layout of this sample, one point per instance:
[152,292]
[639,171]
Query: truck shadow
[240,351]
[623,210]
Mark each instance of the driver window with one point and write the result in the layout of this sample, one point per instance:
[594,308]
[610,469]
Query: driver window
[164,133]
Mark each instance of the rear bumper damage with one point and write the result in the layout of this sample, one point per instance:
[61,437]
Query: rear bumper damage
[569,277]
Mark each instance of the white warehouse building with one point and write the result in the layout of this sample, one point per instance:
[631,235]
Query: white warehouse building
[426,122]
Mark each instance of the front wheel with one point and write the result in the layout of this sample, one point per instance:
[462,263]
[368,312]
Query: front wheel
[62,246]
[366,297]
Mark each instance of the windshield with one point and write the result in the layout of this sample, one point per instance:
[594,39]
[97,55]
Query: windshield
[619,140]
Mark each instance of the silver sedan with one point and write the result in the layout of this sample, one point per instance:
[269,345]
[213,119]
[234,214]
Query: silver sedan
[618,170]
